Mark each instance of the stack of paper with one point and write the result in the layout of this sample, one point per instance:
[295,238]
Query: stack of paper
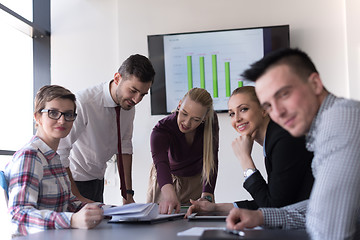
[133,211]
[139,212]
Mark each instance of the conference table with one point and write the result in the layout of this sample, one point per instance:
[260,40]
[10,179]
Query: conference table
[157,231]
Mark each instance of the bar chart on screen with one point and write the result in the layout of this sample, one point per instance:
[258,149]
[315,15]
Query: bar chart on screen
[208,61]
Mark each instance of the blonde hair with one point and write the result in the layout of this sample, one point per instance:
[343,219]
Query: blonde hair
[249,90]
[201,96]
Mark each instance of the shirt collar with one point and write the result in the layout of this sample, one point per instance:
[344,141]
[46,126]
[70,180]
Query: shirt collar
[310,137]
[108,101]
[43,148]
[264,152]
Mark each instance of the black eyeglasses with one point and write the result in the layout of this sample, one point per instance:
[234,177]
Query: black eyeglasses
[56,115]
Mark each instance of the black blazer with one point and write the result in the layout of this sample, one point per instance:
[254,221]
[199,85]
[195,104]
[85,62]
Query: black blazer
[288,166]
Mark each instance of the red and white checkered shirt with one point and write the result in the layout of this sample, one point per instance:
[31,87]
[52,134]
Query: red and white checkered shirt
[39,189]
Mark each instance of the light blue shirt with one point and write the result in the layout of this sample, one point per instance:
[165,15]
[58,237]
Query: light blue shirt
[332,212]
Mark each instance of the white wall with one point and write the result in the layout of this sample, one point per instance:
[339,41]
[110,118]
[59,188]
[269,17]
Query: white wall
[84,42]
[353,46]
[90,39]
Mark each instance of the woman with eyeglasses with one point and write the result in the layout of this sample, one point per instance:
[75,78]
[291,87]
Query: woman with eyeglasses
[40,196]
[184,148]
[287,162]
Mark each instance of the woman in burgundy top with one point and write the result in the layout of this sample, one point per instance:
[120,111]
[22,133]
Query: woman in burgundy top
[184,148]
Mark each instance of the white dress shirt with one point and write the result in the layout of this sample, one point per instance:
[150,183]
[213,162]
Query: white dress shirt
[93,138]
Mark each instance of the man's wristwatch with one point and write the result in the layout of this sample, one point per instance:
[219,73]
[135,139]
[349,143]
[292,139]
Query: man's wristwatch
[130,191]
[207,197]
[248,172]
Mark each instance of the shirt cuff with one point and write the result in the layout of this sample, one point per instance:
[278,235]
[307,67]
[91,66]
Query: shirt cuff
[250,175]
[64,221]
[235,205]
[273,217]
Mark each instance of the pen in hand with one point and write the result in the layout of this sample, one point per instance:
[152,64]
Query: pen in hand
[236,232]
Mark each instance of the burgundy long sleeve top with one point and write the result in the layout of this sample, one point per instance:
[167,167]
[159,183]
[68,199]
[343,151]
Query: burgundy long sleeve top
[173,155]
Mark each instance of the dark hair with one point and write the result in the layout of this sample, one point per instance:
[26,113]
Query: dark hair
[50,92]
[298,61]
[139,66]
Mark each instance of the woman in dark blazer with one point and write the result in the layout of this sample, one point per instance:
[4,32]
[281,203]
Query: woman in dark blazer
[287,162]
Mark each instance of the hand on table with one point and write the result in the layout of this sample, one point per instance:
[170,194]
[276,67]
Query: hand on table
[169,201]
[88,217]
[200,205]
[240,218]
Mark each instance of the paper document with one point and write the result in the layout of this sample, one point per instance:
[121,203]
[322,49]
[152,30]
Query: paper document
[128,208]
[138,212]
[198,231]
[133,211]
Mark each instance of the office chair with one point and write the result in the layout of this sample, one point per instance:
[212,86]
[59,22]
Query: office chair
[4,185]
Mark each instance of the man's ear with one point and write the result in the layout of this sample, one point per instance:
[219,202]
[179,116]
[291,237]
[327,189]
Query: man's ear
[316,83]
[117,78]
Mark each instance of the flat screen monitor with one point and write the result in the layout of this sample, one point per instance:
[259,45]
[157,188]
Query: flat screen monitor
[213,60]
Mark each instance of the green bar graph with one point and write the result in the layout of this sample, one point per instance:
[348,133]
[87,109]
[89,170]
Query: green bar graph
[227,79]
[240,83]
[215,77]
[202,72]
[189,72]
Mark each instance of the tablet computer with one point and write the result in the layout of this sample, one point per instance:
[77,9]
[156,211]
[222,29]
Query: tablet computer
[208,216]
[269,234]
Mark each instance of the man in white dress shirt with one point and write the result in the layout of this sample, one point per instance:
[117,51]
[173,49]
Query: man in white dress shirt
[93,139]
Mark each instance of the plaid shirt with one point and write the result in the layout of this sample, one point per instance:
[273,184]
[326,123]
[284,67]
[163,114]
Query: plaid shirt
[332,212]
[39,189]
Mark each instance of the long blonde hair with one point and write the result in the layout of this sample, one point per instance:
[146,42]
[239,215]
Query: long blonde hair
[201,96]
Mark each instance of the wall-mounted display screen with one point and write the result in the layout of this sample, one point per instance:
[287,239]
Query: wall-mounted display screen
[212,60]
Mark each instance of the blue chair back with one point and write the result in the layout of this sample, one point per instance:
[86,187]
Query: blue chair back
[4,185]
